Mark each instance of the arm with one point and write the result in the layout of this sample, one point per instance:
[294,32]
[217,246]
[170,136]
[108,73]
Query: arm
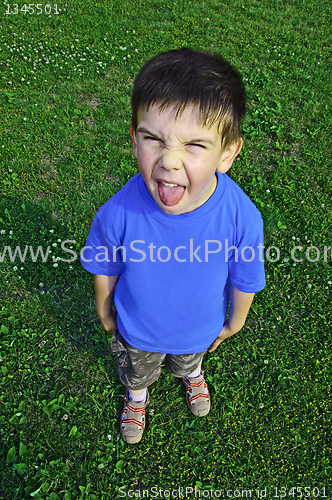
[104,290]
[240,303]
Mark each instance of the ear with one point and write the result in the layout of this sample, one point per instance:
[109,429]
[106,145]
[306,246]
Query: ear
[229,155]
[133,137]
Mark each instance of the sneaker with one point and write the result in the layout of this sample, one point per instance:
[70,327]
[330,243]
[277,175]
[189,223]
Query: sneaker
[197,395]
[132,422]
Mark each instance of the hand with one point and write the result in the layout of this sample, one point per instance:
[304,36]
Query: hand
[224,334]
[109,322]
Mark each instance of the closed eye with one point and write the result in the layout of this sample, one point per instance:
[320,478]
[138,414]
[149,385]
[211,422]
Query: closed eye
[150,137]
[197,145]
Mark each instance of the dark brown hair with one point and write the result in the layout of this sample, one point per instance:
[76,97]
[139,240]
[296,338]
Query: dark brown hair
[190,77]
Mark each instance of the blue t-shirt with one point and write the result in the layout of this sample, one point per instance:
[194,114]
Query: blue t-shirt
[175,270]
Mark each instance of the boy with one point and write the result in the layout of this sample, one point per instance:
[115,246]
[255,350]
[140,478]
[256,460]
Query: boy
[180,241]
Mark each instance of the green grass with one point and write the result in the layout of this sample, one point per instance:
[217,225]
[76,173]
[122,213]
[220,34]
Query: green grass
[64,150]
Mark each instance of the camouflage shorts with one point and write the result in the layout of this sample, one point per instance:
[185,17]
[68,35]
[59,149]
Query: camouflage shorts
[139,369]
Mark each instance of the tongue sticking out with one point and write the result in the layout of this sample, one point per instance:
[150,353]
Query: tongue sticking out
[170,195]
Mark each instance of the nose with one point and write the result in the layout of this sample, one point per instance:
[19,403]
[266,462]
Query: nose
[171,159]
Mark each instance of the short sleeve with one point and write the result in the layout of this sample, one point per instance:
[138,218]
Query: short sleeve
[102,253]
[246,257]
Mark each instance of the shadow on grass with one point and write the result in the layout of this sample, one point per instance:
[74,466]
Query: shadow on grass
[51,341]
[39,258]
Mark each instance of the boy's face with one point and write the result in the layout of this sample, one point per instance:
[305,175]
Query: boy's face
[178,158]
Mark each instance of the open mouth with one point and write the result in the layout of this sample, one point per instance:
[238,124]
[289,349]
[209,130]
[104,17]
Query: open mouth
[170,194]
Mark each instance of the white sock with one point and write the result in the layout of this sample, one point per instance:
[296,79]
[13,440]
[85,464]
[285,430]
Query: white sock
[195,373]
[139,397]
